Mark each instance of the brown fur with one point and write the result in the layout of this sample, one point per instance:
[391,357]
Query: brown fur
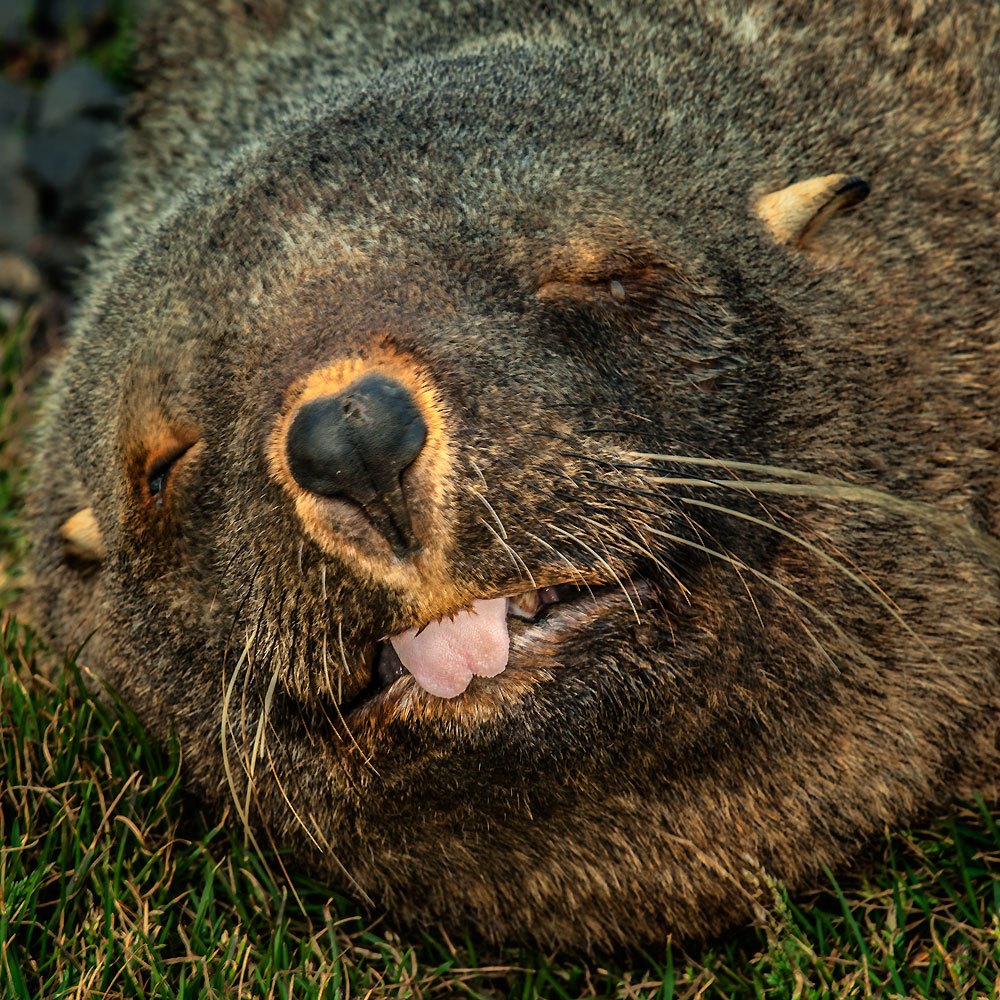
[543,221]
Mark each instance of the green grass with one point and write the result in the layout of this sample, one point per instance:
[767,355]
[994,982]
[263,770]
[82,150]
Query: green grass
[111,52]
[13,414]
[113,884]
[106,40]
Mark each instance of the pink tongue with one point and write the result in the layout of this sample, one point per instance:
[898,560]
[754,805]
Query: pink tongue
[446,654]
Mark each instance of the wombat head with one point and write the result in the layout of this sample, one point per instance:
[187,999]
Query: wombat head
[486,494]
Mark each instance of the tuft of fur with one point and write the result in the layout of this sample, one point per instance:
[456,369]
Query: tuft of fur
[773,463]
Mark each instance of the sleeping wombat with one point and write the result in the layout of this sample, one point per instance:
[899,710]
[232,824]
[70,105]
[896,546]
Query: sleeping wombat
[492,446]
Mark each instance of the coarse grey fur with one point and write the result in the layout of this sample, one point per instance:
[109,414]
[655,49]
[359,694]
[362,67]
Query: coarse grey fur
[544,218]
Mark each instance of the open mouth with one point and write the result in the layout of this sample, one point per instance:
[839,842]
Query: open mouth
[444,656]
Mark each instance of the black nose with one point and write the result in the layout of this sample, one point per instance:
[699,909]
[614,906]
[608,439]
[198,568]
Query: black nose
[355,446]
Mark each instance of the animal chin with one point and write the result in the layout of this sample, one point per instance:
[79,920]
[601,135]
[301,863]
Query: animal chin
[443,656]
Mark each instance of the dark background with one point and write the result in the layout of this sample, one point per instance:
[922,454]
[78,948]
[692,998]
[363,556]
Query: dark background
[64,74]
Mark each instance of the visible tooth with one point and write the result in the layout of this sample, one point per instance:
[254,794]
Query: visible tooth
[524,605]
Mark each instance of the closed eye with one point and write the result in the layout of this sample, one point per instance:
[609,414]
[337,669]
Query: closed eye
[613,287]
[627,275]
[635,289]
[158,472]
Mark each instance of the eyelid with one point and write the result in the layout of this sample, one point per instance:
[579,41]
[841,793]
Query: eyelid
[562,288]
[161,465]
[584,267]
[617,285]
[612,275]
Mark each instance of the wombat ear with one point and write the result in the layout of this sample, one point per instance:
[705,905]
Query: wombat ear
[82,536]
[796,213]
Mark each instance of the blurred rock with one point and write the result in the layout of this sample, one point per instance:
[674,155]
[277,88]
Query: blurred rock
[10,310]
[13,155]
[58,140]
[68,158]
[60,258]
[19,278]
[19,220]
[66,13]
[14,17]
[75,90]
[15,104]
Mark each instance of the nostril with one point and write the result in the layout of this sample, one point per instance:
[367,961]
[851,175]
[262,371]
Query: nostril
[355,445]
[353,409]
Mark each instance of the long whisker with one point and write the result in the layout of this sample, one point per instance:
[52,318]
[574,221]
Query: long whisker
[244,818]
[858,577]
[827,488]
[604,563]
[561,556]
[637,544]
[528,516]
[226,728]
[496,517]
[239,610]
[755,467]
[244,665]
[265,718]
[264,748]
[248,679]
[699,530]
[519,564]
[766,577]
[281,864]
[644,550]
[259,748]
[288,801]
[338,758]
[222,576]
[325,658]
[250,760]
[479,473]
[735,563]
[804,484]
[343,662]
[773,521]
[260,737]
[815,550]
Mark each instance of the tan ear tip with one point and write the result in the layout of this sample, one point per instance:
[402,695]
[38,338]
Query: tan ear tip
[797,212]
[82,536]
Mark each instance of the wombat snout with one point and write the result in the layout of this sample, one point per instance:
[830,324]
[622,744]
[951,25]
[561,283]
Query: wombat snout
[355,445]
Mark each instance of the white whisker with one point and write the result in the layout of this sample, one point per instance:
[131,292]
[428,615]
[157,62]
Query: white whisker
[519,564]
[605,563]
